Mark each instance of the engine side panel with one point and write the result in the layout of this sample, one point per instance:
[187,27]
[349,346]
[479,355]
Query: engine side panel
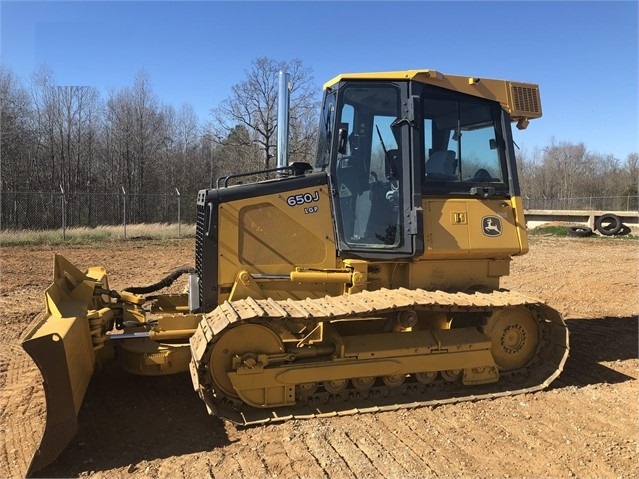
[264,231]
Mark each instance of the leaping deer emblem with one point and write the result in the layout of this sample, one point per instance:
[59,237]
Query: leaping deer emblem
[491,226]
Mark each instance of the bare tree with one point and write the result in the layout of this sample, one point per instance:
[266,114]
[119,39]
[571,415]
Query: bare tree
[67,119]
[253,105]
[119,140]
[186,128]
[235,153]
[629,183]
[184,163]
[17,159]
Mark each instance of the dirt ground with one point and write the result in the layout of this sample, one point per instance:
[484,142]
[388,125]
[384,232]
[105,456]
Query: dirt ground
[585,425]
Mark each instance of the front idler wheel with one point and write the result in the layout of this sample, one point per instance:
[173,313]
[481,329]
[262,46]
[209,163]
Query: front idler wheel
[246,341]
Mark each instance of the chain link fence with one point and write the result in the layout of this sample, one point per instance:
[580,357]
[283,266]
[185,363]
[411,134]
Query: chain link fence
[590,203]
[61,210]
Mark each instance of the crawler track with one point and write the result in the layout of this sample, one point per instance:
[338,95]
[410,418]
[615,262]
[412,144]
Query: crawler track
[545,366]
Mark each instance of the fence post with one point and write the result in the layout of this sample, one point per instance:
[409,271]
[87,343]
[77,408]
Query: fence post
[179,209]
[124,210]
[64,215]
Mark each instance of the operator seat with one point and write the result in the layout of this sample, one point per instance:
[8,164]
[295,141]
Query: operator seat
[441,165]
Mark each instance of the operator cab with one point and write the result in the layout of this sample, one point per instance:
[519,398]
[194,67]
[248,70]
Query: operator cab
[386,144]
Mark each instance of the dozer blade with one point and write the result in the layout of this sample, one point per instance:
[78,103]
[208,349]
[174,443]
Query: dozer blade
[60,345]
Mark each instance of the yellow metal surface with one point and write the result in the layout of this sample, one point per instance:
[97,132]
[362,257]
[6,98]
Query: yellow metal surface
[520,100]
[65,323]
[267,235]
[146,357]
[61,345]
[72,334]
[518,208]
[252,339]
[515,337]
[370,356]
[453,229]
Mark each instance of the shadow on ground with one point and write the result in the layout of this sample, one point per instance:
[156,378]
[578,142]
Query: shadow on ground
[127,419]
[595,341]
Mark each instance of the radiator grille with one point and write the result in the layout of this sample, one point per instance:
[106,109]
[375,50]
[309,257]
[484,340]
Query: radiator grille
[526,100]
[199,247]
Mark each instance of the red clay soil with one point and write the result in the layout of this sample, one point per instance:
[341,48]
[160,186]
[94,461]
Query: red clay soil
[585,425]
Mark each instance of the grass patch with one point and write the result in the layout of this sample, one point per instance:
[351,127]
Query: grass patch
[549,230]
[97,235]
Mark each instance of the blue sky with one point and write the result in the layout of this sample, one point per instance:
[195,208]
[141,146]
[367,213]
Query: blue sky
[583,54]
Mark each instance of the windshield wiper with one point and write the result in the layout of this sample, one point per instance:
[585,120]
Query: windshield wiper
[389,161]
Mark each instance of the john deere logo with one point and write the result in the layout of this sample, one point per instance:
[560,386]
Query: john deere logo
[491,225]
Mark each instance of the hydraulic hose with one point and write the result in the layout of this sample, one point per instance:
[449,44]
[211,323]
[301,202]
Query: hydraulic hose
[164,283]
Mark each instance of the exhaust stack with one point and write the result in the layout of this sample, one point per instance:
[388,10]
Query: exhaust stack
[283,104]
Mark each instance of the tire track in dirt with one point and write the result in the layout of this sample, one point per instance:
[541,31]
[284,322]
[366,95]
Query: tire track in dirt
[301,461]
[504,427]
[250,463]
[22,409]
[327,462]
[356,462]
[405,440]
[276,463]
[412,451]
[229,467]
[448,443]
[376,446]
[416,427]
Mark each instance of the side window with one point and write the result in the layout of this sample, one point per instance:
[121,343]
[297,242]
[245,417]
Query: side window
[460,142]
[346,120]
[428,138]
[325,137]
[481,158]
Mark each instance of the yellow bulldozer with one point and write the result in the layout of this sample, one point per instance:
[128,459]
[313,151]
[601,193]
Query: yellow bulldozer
[369,281]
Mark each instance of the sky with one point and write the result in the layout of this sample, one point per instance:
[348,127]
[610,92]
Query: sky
[583,54]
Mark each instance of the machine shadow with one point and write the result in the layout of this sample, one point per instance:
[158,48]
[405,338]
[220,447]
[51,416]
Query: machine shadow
[127,419]
[593,341]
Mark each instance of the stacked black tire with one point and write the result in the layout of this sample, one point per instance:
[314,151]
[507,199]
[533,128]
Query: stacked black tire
[608,224]
[579,231]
